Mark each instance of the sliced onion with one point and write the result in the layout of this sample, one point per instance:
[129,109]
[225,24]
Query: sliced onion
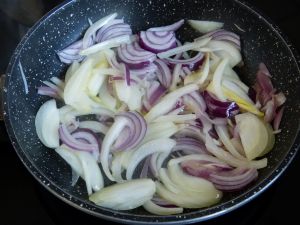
[157,41]
[186,47]
[279,99]
[229,159]
[153,94]
[168,101]
[176,118]
[134,131]
[216,82]
[190,145]
[95,126]
[93,28]
[163,145]
[235,179]
[109,138]
[172,27]
[157,209]
[224,35]
[113,29]
[48,91]
[125,196]
[111,43]
[175,76]
[217,108]
[134,56]
[223,134]
[195,102]
[191,63]
[145,169]
[164,74]
[269,110]
[205,26]
[73,142]
[71,54]
[224,177]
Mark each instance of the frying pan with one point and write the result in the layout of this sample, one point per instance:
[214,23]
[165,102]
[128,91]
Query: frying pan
[261,42]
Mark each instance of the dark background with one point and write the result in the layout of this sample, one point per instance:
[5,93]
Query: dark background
[24,201]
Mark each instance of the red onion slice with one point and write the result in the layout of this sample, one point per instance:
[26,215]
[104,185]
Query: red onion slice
[134,56]
[157,41]
[217,108]
[102,30]
[68,139]
[223,176]
[153,94]
[71,53]
[192,63]
[48,91]
[113,29]
[224,35]
[164,74]
[189,145]
[133,133]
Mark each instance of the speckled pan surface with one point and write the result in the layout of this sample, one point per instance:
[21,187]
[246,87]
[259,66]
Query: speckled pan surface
[261,42]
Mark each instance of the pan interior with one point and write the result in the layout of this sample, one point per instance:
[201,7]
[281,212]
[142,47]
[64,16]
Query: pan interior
[37,54]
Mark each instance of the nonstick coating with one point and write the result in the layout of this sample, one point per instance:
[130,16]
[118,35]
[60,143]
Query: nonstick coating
[261,42]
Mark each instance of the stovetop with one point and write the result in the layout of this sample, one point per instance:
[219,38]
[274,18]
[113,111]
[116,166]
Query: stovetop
[24,201]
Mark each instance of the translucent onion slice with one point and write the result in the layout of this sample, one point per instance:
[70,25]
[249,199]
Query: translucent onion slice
[125,196]
[47,124]
[163,145]
[156,209]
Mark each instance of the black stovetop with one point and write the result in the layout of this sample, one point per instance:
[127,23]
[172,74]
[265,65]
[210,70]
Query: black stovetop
[24,201]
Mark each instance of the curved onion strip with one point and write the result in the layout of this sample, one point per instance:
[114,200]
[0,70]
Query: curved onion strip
[157,41]
[135,133]
[165,179]
[163,145]
[224,137]
[94,126]
[231,160]
[156,209]
[175,118]
[111,43]
[108,140]
[186,47]
[168,101]
[172,27]
[73,143]
[190,145]
[97,25]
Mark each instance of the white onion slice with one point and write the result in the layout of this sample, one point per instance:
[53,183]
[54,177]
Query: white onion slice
[205,26]
[47,124]
[91,171]
[108,140]
[186,47]
[112,43]
[230,159]
[168,101]
[153,208]
[125,196]
[228,51]
[163,145]
[217,80]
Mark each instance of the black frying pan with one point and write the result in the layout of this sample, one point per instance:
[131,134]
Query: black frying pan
[261,42]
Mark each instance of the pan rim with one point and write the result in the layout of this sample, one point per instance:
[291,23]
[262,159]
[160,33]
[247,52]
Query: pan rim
[151,219]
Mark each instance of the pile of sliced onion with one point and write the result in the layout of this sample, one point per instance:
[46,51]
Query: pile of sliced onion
[168,122]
